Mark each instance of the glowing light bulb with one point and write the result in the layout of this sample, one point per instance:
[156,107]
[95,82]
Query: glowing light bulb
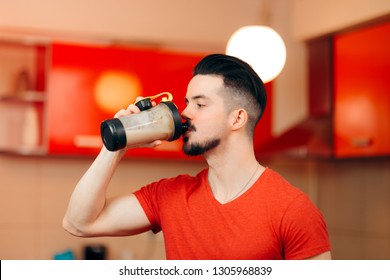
[261,47]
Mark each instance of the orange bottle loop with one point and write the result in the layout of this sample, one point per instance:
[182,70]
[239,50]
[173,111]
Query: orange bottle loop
[145,103]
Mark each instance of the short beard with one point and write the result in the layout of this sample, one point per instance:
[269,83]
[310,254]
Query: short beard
[199,149]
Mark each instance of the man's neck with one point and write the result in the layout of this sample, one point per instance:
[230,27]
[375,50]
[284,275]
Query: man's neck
[232,171]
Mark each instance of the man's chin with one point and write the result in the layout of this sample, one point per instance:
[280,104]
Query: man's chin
[190,151]
[196,149]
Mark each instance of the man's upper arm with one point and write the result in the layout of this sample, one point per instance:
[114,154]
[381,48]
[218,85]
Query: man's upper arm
[324,256]
[121,216]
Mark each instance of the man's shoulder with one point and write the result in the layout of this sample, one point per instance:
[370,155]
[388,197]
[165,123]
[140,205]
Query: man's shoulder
[275,181]
[182,180]
[277,191]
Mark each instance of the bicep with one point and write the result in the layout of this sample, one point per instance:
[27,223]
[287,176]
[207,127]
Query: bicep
[324,256]
[122,215]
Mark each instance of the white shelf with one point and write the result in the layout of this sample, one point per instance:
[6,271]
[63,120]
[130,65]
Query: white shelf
[26,96]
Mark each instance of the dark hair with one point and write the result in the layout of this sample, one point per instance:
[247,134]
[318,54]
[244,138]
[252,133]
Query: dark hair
[248,89]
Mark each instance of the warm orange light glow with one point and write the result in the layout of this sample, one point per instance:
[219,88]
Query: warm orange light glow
[115,90]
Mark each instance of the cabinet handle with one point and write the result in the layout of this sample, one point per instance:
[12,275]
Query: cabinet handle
[362,142]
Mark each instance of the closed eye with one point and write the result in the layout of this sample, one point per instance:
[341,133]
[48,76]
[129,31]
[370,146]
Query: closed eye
[196,101]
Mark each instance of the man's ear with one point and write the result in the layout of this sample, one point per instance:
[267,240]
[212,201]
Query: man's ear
[238,118]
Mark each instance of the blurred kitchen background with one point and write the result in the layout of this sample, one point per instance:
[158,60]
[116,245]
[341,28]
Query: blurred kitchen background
[65,66]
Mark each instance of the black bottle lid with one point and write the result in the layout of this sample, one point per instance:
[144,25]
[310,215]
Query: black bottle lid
[113,134]
[176,120]
[144,104]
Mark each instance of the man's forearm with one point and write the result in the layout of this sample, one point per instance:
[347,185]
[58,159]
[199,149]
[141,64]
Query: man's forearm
[89,196]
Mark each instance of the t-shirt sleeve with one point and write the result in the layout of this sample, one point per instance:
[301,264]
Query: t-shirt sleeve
[304,230]
[148,198]
[156,198]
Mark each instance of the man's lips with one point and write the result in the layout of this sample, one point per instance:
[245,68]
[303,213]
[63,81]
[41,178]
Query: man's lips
[188,131]
[185,135]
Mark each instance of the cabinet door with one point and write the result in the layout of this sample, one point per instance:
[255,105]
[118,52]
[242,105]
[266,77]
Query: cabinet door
[88,84]
[362,92]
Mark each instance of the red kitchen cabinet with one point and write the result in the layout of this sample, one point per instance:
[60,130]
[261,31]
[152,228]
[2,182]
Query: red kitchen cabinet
[362,92]
[89,83]
[77,103]
[54,96]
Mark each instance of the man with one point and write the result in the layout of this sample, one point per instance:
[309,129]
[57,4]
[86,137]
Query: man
[234,209]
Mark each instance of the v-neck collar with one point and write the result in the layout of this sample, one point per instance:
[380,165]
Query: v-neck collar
[212,198]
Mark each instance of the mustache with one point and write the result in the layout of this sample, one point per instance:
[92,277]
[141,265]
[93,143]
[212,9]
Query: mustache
[187,125]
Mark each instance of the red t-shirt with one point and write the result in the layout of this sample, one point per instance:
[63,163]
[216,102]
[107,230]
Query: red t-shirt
[272,220]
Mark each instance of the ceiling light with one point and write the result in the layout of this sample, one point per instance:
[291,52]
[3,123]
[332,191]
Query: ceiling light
[261,47]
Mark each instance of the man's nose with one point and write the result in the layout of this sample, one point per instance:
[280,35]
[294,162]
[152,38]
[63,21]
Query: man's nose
[184,113]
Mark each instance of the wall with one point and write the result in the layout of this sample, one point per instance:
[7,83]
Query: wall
[191,24]
[290,101]
[34,192]
[353,195]
[314,18]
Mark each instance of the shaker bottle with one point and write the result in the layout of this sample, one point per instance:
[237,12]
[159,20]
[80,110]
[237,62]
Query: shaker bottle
[161,122]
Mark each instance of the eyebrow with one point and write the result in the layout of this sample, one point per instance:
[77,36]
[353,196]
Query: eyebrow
[196,97]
